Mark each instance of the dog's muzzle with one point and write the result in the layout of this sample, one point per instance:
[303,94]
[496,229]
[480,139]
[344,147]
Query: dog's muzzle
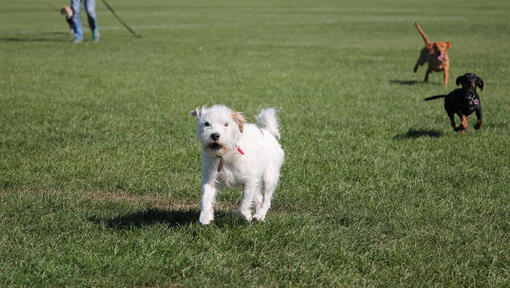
[214,146]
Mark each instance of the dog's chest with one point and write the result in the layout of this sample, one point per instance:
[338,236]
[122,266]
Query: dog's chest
[436,64]
[470,104]
[474,104]
[229,176]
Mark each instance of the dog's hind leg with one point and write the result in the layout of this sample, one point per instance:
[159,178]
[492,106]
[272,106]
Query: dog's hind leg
[250,189]
[427,74]
[452,120]
[270,184]
[421,59]
[416,66]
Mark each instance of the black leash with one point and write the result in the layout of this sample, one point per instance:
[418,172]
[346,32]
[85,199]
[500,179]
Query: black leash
[120,20]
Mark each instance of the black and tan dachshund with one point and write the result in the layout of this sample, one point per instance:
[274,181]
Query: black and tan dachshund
[463,101]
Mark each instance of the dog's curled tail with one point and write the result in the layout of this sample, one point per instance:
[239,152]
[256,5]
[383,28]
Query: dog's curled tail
[434,97]
[268,120]
[422,33]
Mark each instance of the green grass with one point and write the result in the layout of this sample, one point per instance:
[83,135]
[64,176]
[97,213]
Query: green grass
[100,166]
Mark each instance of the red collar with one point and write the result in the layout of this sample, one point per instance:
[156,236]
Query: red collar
[240,150]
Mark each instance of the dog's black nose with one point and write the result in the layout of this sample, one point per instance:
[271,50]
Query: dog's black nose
[215,136]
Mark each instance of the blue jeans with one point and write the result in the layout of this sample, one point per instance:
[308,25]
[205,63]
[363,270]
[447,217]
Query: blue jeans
[90,8]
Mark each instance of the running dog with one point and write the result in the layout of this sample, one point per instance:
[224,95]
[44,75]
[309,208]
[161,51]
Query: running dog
[463,101]
[435,54]
[67,11]
[238,153]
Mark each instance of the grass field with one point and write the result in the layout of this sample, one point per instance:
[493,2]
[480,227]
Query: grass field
[100,166]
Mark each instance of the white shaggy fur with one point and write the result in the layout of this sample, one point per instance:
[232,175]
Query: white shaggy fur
[250,156]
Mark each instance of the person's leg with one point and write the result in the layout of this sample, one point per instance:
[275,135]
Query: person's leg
[90,7]
[78,34]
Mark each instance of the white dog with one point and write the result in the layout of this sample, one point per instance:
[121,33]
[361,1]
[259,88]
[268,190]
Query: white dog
[236,152]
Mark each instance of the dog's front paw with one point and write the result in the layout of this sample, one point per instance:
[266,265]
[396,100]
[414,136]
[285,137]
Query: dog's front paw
[259,218]
[245,213]
[478,125]
[206,218]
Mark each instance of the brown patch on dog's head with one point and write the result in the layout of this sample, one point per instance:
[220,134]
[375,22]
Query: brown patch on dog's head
[239,119]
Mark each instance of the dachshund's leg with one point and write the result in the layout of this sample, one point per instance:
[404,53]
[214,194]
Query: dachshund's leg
[478,124]
[452,119]
[463,123]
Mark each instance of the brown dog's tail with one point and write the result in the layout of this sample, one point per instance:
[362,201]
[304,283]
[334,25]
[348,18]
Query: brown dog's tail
[54,6]
[434,97]
[425,38]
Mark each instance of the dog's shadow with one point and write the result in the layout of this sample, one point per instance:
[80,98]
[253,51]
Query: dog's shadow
[417,133]
[406,82]
[153,216]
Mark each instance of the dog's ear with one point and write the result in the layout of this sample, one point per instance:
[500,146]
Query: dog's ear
[196,113]
[479,82]
[460,79]
[239,119]
[448,44]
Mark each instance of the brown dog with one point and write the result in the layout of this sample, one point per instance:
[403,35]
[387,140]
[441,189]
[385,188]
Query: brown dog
[68,12]
[435,54]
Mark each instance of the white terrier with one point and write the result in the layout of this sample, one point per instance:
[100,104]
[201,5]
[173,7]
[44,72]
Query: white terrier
[236,152]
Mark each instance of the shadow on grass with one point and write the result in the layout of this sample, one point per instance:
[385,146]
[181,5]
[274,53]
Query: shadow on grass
[13,39]
[51,37]
[406,82]
[416,133]
[154,216]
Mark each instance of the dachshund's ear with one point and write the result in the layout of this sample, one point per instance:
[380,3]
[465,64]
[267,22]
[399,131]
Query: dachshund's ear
[196,113]
[239,119]
[479,82]
[448,44]
[460,79]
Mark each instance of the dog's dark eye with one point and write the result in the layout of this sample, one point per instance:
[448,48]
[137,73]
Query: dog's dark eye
[206,124]
[226,124]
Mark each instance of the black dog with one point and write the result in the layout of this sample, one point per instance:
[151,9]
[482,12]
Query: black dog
[463,101]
